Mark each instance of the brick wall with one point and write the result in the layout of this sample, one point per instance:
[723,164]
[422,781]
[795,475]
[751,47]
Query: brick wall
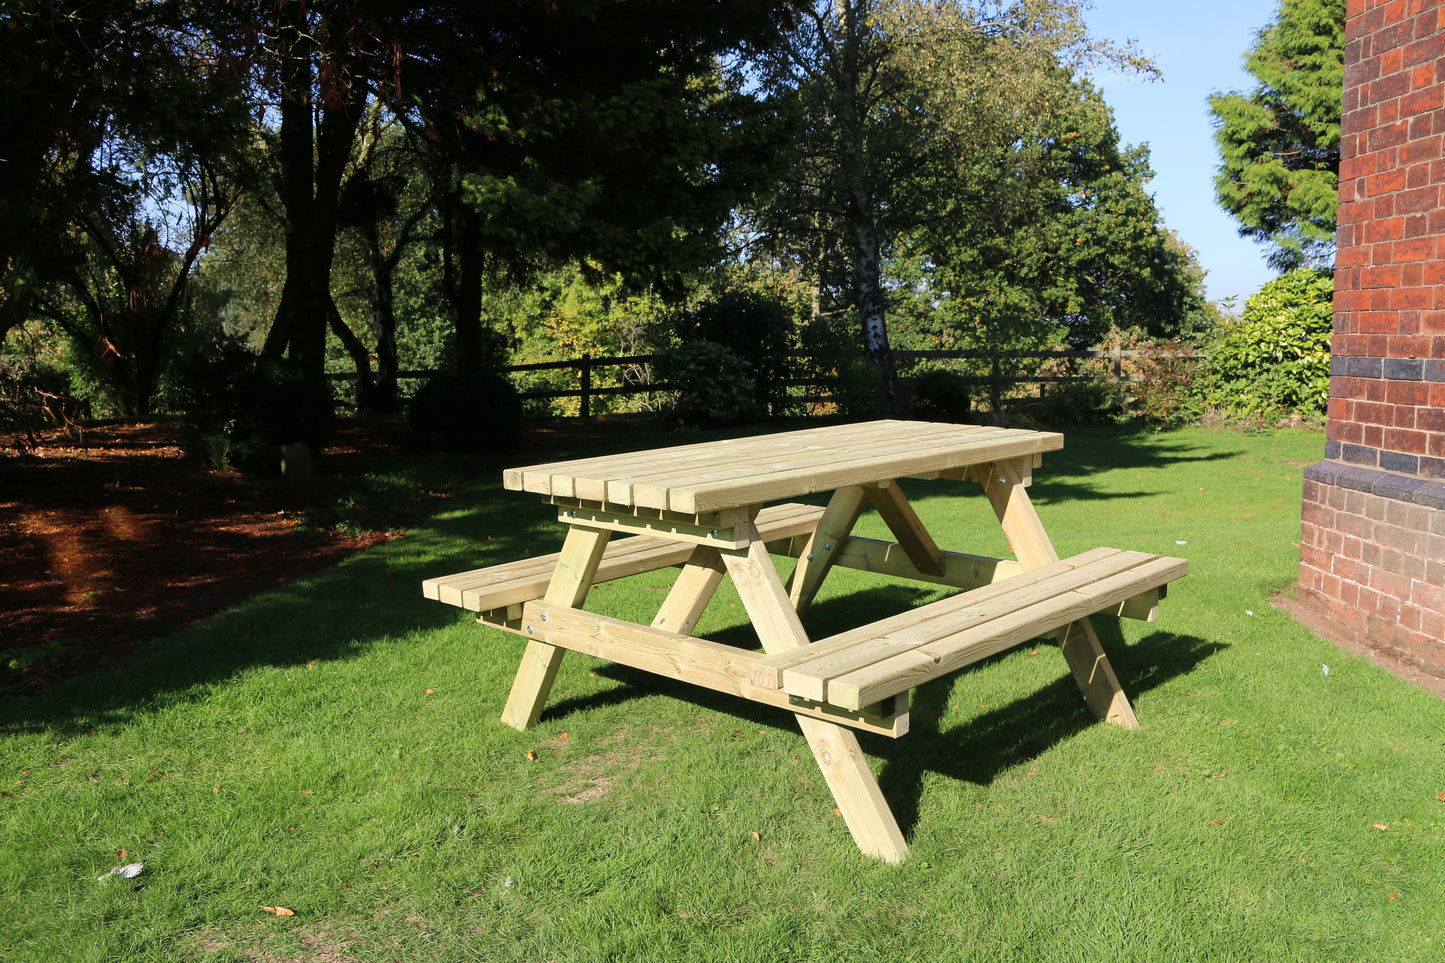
[1373,534]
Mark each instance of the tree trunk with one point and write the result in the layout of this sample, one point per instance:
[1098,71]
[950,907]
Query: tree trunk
[465,288]
[310,192]
[860,214]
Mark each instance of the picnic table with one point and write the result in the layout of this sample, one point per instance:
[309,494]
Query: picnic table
[721,509]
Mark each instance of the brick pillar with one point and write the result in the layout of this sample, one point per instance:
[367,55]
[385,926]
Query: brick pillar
[1372,554]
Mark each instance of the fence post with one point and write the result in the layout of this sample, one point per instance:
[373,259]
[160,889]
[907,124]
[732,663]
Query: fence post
[1118,354]
[586,411]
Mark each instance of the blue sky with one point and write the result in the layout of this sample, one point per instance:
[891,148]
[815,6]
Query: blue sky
[1200,48]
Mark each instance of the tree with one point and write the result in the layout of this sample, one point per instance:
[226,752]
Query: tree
[1279,144]
[1068,241]
[80,84]
[899,97]
[587,133]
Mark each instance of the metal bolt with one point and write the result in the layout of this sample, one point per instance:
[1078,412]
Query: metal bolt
[1002,480]
[529,630]
[810,556]
[828,547]
[573,512]
[714,531]
[544,616]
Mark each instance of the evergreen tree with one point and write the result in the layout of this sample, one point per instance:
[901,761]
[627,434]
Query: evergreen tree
[1279,144]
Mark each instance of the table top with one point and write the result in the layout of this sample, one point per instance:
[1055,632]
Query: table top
[733,472]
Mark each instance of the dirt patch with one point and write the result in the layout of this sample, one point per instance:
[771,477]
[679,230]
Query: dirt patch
[122,540]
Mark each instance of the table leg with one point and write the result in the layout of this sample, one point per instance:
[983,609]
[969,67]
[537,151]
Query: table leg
[904,523]
[693,589]
[1087,661]
[837,522]
[835,748]
[571,580]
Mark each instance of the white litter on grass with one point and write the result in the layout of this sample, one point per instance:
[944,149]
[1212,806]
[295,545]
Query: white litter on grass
[128,871]
[1249,611]
[1180,541]
[1326,670]
[507,883]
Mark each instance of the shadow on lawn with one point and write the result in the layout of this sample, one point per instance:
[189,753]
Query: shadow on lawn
[978,751]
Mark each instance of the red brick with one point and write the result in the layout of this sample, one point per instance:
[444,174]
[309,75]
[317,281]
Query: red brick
[1348,593]
[1410,442]
[1353,571]
[1407,393]
[1410,616]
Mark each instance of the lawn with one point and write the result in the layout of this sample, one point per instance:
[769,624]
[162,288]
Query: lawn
[332,749]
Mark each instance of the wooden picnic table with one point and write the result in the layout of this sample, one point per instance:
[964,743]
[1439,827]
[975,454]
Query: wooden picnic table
[718,509]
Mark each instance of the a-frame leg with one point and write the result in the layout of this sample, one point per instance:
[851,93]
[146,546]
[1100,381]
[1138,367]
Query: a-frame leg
[571,580]
[835,748]
[689,595]
[1088,663]
[817,558]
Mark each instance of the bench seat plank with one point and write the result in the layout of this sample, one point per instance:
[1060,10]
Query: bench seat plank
[890,656]
[512,583]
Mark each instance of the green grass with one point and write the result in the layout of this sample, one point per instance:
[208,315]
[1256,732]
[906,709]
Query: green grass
[333,748]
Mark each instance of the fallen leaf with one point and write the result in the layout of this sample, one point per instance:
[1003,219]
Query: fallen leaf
[279,910]
[532,755]
[1441,797]
[757,838]
[430,692]
[1381,827]
[308,792]
[1393,896]
[1216,822]
[838,813]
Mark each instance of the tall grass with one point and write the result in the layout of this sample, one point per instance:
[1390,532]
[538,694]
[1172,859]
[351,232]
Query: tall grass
[332,748]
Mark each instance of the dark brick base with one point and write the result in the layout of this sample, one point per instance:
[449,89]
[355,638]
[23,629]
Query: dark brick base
[1372,558]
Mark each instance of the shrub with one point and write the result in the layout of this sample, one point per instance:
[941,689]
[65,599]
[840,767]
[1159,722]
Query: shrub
[476,411]
[1077,403]
[756,328]
[1276,358]
[835,368]
[239,410]
[714,386]
[941,395]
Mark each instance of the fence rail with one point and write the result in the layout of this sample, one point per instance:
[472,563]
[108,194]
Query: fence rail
[998,377]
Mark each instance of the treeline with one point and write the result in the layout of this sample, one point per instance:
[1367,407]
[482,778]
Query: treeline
[209,203]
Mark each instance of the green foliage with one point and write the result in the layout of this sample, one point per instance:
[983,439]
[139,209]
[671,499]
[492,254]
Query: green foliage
[714,386]
[474,411]
[1074,403]
[832,362]
[1276,358]
[1280,144]
[240,410]
[756,328]
[941,395]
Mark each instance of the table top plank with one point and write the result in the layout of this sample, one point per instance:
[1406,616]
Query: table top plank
[733,472]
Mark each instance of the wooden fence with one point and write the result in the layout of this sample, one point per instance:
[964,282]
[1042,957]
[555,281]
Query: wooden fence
[628,374]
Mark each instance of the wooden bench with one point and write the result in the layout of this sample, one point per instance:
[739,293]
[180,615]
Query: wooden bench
[874,662]
[499,591]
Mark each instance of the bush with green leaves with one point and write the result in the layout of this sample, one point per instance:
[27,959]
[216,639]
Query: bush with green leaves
[756,328]
[1276,357]
[714,386]
[833,365]
[941,395]
[475,411]
[240,409]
